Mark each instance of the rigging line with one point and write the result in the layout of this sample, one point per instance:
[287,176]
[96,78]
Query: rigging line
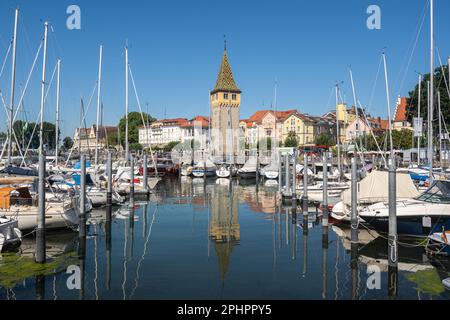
[13,130]
[372,95]
[28,81]
[27,38]
[414,46]
[330,97]
[443,72]
[5,60]
[31,137]
[371,132]
[142,116]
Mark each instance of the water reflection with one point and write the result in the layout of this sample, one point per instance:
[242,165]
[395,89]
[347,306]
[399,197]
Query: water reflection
[224,228]
[206,239]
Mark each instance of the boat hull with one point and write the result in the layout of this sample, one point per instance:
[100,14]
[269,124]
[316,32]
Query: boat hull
[247,174]
[410,226]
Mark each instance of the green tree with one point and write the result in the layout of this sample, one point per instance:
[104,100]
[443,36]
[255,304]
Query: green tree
[325,139]
[24,133]
[135,146]
[440,85]
[291,141]
[67,143]
[134,122]
[113,139]
[168,147]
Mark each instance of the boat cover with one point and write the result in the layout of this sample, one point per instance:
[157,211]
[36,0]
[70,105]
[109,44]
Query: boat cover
[374,188]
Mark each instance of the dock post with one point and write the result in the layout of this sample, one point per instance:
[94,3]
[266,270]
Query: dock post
[354,210]
[393,245]
[144,168]
[325,190]
[109,175]
[257,167]
[305,185]
[287,181]
[131,181]
[294,180]
[40,232]
[82,200]
[280,162]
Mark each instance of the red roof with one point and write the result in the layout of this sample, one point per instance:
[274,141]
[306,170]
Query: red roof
[203,121]
[281,115]
[383,124]
[400,112]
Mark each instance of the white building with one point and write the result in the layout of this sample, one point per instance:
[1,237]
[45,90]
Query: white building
[164,131]
[196,129]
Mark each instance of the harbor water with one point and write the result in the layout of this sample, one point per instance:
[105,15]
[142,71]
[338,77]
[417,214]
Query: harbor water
[216,239]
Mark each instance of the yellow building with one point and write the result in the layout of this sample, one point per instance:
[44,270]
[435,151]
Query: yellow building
[301,127]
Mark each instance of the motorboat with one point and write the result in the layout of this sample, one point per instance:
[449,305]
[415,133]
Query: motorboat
[332,173]
[373,189]
[204,169]
[315,191]
[248,171]
[417,217]
[10,235]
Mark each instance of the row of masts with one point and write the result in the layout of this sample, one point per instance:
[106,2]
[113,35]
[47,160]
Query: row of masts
[58,94]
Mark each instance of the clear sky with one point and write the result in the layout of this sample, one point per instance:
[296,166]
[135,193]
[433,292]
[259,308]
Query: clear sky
[176,48]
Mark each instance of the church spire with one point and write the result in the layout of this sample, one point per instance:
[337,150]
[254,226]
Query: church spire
[225,80]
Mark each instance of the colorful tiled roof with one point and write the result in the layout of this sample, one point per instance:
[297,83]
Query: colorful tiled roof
[225,80]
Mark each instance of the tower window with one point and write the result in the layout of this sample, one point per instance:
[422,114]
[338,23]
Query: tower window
[233,96]
[225,95]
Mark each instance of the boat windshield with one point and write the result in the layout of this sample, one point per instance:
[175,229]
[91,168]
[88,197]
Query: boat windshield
[439,192]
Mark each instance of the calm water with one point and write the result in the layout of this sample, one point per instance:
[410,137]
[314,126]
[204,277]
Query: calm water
[215,241]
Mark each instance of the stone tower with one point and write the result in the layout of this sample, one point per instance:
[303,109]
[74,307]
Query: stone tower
[225,101]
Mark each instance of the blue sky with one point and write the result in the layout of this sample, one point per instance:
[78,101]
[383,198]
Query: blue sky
[176,47]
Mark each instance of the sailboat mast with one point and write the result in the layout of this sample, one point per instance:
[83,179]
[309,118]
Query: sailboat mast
[276,113]
[99,82]
[13,80]
[356,111]
[388,104]
[338,135]
[127,150]
[418,120]
[440,127]
[431,97]
[57,112]
[44,65]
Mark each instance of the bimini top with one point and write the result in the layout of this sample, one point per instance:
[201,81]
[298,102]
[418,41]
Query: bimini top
[9,195]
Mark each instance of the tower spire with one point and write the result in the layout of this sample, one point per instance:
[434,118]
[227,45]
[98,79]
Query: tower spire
[225,42]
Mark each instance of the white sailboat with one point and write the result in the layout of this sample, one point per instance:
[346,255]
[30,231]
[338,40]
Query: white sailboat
[17,203]
[248,171]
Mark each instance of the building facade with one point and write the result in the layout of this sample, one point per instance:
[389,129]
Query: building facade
[85,138]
